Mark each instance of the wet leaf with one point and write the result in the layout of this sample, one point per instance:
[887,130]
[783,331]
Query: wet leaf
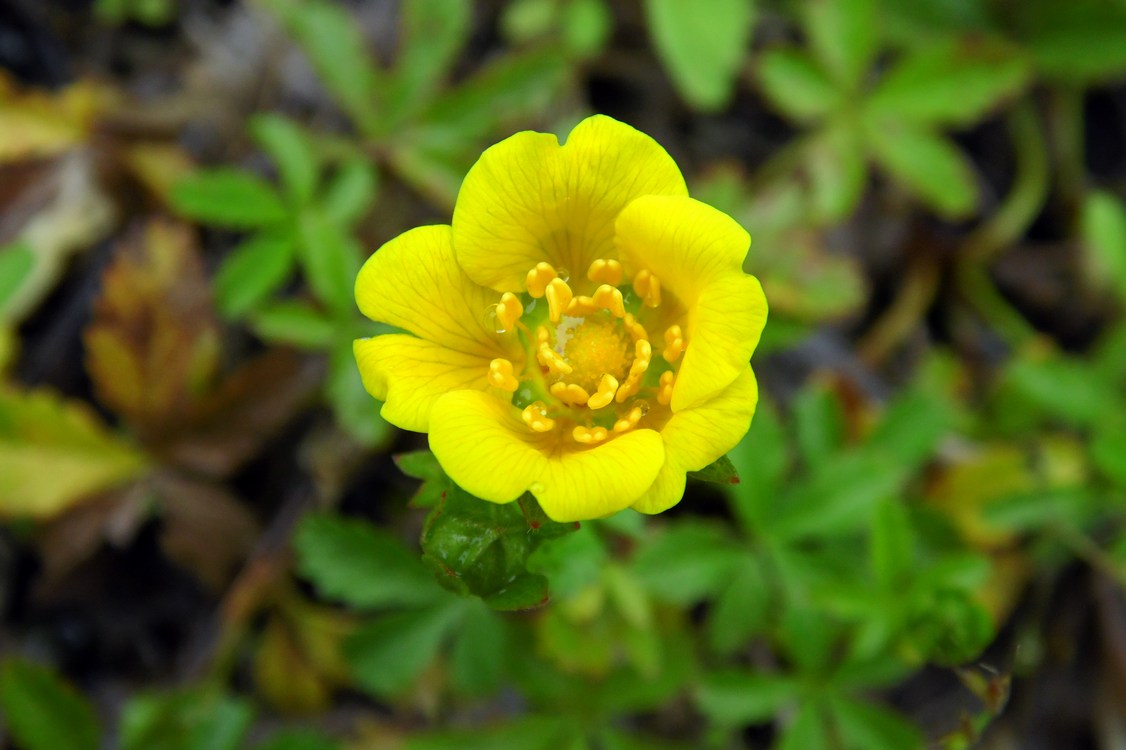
[43,712]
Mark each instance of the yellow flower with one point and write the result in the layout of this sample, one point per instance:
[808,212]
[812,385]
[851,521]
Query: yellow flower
[582,331]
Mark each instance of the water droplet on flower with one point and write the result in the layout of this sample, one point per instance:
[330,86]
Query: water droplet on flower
[563,274]
[492,321]
[536,488]
[643,405]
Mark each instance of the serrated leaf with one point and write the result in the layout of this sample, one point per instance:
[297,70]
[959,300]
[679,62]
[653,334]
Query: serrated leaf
[838,172]
[43,712]
[350,192]
[228,197]
[353,561]
[253,271]
[391,652]
[720,471]
[844,36]
[477,658]
[686,563]
[806,731]
[702,45]
[291,151]
[796,85]
[16,263]
[865,725]
[54,453]
[740,610]
[296,324]
[953,82]
[740,698]
[432,32]
[331,260]
[928,164]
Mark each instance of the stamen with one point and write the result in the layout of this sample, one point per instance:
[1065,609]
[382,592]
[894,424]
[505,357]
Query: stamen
[666,383]
[509,311]
[611,299]
[636,330]
[629,421]
[502,376]
[643,353]
[582,306]
[547,356]
[535,416]
[674,344]
[569,393]
[606,390]
[559,295]
[589,435]
[604,271]
[538,279]
[648,287]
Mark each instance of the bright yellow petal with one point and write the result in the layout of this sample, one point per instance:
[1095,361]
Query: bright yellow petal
[528,199]
[410,374]
[696,437]
[697,252]
[487,450]
[413,282]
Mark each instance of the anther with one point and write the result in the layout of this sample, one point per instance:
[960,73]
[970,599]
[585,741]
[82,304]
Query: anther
[643,354]
[648,287]
[509,311]
[636,330]
[607,387]
[535,416]
[558,295]
[611,299]
[604,271]
[538,279]
[665,386]
[629,421]
[502,376]
[589,435]
[570,393]
[674,344]
[582,306]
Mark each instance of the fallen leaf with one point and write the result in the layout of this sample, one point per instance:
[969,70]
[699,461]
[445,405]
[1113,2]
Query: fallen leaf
[39,123]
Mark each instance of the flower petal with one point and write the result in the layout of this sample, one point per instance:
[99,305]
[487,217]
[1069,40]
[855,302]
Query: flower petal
[528,199]
[696,437]
[697,252]
[413,282]
[410,374]
[485,448]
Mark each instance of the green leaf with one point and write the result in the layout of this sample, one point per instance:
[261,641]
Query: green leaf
[525,733]
[387,655]
[741,698]
[819,424]
[291,151]
[228,197]
[43,712]
[587,25]
[912,426]
[477,659]
[432,32]
[337,50]
[1061,387]
[1080,42]
[1041,510]
[954,82]
[299,739]
[350,193]
[892,545]
[297,324]
[740,610]
[184,721]
[420,465]
[702,44]
[353,561]
[843,35]
[355,410]
[1104,237]
[720,471]
[862,725]
[838,173]
[928,164]
[762,458]
[796,85]
[54,453]
[331,259]
[479,548]
[686,563]
[252,272]
[16,263]
[807,731]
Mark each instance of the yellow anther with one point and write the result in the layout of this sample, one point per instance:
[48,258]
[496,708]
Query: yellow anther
[605,272]
[582,306]
[611,299]
[643,354]
[674,344]
[664,391]
[648,287]
[509,311]
[607,387]
[547,356]
[535,416]
[569,393]
[558,295]
[538,279]
[629,421]
[589,435]
[636,330]
[502,375]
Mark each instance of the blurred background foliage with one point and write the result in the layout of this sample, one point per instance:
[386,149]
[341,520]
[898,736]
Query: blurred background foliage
[210,540]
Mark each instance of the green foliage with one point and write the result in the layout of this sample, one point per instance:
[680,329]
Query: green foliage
[16,264]
[43,712]
[187,720]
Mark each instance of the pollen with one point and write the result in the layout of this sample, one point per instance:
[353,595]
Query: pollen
[593,347]
[589,435]
[535,416]
[648,287]
[569,393]
[665,386]
[607,387]
[538,279]
[674,344]
[559,295]
[502,375]
[604,271]
[509,311]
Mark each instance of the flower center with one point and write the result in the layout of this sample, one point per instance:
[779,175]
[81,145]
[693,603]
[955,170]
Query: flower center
[587,373]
